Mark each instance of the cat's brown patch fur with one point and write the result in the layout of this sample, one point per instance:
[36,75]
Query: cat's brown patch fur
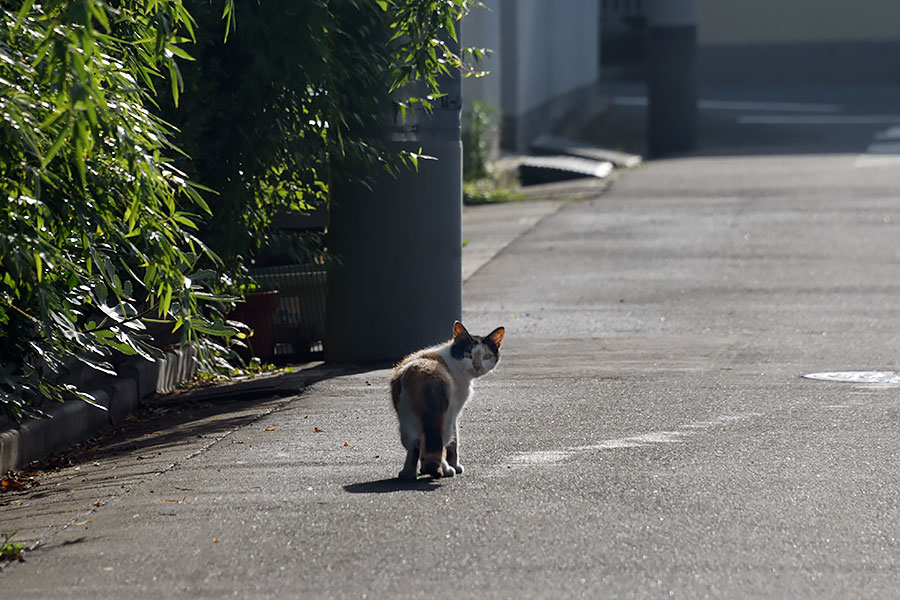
[426,378]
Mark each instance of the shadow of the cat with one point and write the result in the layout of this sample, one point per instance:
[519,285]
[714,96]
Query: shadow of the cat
[394,484]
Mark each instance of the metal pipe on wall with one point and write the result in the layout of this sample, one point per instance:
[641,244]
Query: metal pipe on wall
[671,76]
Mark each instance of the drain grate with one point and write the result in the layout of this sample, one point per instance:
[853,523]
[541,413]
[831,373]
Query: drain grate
[873,377]
[547,169]
[549,145]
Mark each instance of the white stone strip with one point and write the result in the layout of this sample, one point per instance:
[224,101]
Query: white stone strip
[818,119]
[555,457]
[888,378]
[743,105]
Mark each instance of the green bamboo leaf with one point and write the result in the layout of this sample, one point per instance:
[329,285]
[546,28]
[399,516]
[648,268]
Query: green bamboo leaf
[183,219]
[99,13]
[175,79]
[217,328]
[20,16]
[83,396]
[61,139]
[179,52]
[165,302]
[38,266]
[80,148]
[451,29]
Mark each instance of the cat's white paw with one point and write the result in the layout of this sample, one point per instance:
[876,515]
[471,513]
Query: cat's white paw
[458,468]
[438,470]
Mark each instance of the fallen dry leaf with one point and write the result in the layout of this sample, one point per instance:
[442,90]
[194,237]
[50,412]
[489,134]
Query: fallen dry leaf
[13,485]
[317,430]
[271,428]
[18,481]
[346,445]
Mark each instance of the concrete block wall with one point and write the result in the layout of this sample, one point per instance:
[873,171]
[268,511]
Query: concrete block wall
[76,421]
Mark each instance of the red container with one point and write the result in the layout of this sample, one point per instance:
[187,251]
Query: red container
[258,312]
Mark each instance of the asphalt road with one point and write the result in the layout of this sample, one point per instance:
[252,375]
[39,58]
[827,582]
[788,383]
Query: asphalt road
[646,435]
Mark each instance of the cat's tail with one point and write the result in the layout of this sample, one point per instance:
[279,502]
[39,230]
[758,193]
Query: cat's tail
[435,403]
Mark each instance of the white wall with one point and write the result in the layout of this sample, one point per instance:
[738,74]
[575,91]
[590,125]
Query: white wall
[556,47]
[797,42]
[545,51]
[481,29]
[797,21]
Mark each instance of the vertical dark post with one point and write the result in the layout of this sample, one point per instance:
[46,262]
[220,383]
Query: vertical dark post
[398,285]
[671,76]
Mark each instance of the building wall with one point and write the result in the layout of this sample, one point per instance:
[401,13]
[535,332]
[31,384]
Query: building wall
[481,29]
[545,62]
[734,22]
[556,49]
[799,41]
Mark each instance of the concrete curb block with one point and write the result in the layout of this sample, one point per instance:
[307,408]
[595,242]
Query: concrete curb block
[75,421]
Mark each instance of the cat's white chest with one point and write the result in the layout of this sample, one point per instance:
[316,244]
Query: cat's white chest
[461,395]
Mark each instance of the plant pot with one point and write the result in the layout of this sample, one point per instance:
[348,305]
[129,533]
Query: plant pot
[257,312]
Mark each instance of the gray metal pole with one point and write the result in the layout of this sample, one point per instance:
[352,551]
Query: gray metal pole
[398,286]
[672,76]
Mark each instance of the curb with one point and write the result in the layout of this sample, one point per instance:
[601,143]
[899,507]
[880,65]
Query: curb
[75,421]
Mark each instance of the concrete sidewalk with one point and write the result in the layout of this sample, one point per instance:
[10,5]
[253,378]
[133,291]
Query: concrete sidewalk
[183,425]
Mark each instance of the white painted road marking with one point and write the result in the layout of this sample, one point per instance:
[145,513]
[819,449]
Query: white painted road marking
[818,119]
[869,377]
[743,105]
[555,457]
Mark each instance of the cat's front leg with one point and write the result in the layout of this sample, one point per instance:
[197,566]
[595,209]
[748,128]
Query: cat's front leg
[411,462]
[453,454]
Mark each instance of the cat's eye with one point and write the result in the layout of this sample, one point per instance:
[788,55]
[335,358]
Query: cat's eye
[467,354]
[488,356]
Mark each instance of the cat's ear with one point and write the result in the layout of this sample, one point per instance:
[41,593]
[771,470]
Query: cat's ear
[496,336]
[460,332]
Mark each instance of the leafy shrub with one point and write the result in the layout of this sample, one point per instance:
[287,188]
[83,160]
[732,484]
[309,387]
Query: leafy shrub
[488,191]
[478,134]
[96,224]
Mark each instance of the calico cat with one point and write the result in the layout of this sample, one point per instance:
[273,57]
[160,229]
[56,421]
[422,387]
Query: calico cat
[429,389]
